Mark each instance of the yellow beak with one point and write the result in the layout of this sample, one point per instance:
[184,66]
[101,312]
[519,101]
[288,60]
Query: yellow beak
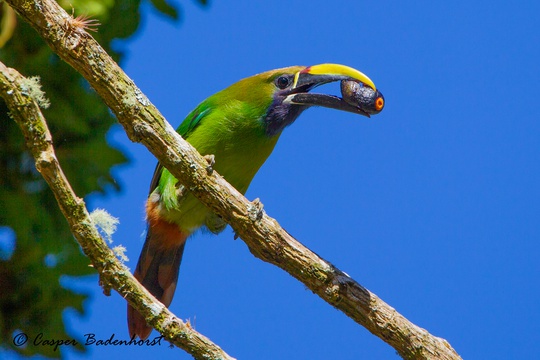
[335,72]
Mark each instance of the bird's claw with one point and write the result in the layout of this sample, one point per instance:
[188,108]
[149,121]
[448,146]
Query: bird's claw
[255,210]
[180,190]
[211,160]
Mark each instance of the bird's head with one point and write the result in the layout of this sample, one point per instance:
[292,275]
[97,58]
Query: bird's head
[285,93]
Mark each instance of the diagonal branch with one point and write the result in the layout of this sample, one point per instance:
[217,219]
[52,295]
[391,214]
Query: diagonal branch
[113,274]
[265,238]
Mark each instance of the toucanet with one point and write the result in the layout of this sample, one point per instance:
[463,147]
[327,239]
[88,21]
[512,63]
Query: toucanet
[239,126]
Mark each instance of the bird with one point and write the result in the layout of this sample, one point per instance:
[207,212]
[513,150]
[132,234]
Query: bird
[238,128]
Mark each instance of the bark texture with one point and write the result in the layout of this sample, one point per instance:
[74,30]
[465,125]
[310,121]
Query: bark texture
[264,236]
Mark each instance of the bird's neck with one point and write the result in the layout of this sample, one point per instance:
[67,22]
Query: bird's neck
[279,116]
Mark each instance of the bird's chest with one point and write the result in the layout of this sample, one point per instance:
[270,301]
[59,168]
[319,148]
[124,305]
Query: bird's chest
[239,151]
[237,159]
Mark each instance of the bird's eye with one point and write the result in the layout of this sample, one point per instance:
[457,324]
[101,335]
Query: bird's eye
[282,82]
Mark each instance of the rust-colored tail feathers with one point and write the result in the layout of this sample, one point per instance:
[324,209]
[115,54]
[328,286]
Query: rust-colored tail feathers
[157,269]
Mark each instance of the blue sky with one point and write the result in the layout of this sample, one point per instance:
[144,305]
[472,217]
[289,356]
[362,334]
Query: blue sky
[433,204]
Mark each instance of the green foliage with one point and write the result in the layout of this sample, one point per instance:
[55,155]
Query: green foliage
[32,299]
[165,8]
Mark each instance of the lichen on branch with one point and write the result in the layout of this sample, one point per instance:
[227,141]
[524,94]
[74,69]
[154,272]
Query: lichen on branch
[112,272]
[264,236]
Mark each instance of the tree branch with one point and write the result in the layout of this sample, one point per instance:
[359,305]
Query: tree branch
[26,112]
[263,235]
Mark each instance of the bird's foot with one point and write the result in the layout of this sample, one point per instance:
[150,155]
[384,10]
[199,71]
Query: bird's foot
[181,190]
[211,160]
[256,211]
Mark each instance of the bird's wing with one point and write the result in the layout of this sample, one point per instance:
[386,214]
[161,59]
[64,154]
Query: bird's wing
[188,125]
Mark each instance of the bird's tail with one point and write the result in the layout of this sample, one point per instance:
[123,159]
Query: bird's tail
[157,269]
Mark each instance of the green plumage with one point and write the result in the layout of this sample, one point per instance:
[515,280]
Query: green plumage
[230,126]
[239,126]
